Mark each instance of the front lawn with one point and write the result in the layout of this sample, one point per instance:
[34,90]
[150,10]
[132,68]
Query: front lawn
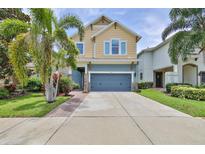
[31,105]
[191,107]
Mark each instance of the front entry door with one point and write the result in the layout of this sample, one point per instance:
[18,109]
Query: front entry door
[159,79]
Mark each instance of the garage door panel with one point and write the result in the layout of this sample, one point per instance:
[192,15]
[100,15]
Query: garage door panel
[110,82]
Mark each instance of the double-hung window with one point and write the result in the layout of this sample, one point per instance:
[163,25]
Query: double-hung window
[123,47]
[115,47]
[80,46]
[107,47]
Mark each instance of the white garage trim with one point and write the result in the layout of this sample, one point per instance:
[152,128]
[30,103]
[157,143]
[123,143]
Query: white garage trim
[111,72]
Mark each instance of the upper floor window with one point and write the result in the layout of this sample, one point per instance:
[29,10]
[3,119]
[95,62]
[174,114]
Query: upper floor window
[115,47]
[107,47]
[80,46]
[123,46]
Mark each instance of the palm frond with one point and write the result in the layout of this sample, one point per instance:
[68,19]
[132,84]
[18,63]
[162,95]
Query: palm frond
[18,55]
[175,26]
[10,28]
[183,44]
[71,21]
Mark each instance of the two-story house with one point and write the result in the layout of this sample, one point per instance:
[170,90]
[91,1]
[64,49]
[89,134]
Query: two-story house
[108,56]
[154,65]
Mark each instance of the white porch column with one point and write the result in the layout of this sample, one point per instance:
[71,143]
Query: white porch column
[175,69]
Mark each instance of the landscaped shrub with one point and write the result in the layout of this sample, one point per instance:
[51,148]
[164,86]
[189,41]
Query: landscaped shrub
[75,85]
[202,86]
[145,85]
[169,85]
[65,85]
[34,84]
[10,87]
[6,81]
[188,92]
[4,93]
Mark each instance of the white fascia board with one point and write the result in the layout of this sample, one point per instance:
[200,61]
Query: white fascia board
[124,27]
[112,72]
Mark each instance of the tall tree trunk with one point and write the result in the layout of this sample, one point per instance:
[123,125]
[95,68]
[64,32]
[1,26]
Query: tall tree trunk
[50,92]
[56,88]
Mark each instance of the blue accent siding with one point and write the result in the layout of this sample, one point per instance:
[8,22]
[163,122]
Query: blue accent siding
[77,77]
[110,82]
[112,67]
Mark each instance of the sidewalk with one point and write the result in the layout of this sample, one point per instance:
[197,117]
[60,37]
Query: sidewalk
[67,108]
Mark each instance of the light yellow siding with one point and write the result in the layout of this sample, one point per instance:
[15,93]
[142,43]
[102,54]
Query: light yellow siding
[118,33]
[108,34]
[88,42]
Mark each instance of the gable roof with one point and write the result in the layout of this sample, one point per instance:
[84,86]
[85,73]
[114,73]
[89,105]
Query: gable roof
[98,19]
[95,21]
[121,25]
[112,22]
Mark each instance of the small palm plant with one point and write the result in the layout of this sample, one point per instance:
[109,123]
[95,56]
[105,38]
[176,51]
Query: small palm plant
[189,25]
[46,44]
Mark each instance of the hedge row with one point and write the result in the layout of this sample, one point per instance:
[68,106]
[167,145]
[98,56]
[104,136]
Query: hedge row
[188,92]
[169,85]
[145,85]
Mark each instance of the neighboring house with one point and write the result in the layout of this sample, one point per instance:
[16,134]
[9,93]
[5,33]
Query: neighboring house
[154,65]
[108,56]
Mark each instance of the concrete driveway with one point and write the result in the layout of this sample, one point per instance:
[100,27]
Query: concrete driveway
[108,118]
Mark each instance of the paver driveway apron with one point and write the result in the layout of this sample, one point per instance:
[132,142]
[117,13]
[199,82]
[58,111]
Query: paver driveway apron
[108,118]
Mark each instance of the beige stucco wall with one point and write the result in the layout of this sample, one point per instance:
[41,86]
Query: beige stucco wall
[190,74]
[198,60]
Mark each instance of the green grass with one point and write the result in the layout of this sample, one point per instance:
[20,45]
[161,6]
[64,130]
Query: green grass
[191,107]
[30,105]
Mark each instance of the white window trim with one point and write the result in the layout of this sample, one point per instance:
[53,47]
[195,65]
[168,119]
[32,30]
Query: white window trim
[110,52]
[94,48]
[125,47]
[83,47]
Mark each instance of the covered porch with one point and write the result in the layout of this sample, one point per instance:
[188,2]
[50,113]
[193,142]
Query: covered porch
[165,75]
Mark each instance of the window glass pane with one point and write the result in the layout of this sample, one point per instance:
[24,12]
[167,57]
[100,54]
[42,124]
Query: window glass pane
[80,47]
[203,77]
[107,48]
[115,46]
[123,48]
[141,76]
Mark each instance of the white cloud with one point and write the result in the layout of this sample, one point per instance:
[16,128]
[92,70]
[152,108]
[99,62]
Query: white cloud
[154,25]
[120,12]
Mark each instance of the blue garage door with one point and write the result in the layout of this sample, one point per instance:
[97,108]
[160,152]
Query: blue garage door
[110,82]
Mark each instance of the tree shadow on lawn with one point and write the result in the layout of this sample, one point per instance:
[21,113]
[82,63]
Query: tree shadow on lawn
[32,106]
[19,98]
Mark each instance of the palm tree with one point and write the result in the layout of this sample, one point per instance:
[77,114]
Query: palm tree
[189,25]
[45,36]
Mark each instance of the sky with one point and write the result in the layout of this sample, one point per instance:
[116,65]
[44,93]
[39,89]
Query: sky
[148,23]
